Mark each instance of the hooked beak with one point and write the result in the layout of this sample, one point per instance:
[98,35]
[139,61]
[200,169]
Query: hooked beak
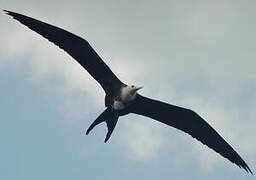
[135,90]
[138,88]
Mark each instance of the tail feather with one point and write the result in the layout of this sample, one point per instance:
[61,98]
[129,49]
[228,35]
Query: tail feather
[99,120]
[111,124]
[110,118]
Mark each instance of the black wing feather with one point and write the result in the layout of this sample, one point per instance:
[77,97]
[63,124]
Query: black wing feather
[75,46]
[190,122]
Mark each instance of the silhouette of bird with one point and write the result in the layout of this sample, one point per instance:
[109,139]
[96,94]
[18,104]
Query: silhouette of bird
[122,99]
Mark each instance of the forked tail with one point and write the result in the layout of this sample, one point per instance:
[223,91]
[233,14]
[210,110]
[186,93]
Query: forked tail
[110,117]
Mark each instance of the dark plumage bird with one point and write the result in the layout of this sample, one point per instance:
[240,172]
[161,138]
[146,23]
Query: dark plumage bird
[121,99]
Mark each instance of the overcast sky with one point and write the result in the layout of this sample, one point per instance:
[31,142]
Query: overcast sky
[197,54]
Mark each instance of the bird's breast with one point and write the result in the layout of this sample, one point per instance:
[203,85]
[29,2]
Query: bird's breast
[118,105]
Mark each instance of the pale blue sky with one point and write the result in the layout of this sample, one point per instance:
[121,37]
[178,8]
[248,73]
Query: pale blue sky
[196,54]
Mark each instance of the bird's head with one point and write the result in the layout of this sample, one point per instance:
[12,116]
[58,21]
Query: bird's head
[133,89]
[128,93]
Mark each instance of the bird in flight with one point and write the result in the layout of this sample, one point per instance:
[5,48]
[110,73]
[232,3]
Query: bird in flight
[122,99]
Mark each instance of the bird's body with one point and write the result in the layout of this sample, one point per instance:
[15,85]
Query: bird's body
[125,97]
[118,105]
[122,99]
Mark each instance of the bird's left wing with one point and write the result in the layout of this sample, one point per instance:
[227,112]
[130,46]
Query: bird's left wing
[75,46]
[188,121]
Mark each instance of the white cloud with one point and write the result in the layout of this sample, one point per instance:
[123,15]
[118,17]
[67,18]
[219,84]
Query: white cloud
[140,138]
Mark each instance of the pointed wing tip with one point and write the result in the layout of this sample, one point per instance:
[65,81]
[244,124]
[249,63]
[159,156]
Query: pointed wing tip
[8,12]
[247,169]
[244,166]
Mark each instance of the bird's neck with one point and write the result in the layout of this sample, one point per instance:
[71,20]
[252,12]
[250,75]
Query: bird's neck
[127,95]
[124,99]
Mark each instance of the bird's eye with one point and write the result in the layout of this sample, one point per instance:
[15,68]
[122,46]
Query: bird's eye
[132,86]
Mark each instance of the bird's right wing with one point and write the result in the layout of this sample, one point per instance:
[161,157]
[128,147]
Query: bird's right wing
[75,46]
[188,121]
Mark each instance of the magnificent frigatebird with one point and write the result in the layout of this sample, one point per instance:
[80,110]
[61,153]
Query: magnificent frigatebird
[122,99]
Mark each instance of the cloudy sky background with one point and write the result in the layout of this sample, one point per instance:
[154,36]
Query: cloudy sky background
[197,54]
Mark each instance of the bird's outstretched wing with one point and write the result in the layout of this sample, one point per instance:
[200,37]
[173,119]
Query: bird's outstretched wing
[75,46]
[188,121]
